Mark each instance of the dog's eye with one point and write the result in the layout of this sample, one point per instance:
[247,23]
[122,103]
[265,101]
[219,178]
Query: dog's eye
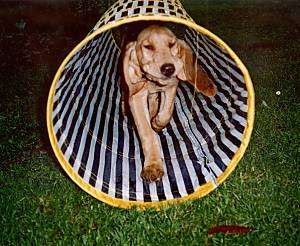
[171,44]
[149,47]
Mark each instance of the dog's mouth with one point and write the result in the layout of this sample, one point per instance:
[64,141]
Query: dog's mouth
[158,81]
[163,81]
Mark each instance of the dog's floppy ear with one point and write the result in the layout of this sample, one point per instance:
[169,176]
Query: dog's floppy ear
[194,73]
[131,67]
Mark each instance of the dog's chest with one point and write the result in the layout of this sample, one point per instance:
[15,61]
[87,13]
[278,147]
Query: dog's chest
[154,88]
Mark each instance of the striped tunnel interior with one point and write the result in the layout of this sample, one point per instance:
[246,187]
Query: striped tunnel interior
[102,145]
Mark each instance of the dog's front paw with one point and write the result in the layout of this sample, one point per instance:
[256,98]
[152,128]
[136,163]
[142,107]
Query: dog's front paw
[155,126]
[160,121]
[152,172]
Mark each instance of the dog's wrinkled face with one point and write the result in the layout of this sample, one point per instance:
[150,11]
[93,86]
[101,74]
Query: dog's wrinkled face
[158,53]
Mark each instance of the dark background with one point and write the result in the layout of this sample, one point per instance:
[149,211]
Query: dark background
[39,204]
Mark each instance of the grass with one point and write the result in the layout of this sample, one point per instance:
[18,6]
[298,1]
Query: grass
[40,205]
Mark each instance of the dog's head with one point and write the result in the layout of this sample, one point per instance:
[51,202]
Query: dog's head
[158,53]
[161,57]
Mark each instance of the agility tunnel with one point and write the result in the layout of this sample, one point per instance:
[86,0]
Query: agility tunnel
[99,147]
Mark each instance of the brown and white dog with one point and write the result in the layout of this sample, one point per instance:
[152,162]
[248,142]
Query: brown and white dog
[153,65]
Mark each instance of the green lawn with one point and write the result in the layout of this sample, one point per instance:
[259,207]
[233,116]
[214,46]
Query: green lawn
[40,204]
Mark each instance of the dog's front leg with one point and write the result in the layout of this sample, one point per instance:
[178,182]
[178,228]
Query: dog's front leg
[166,109]
[153,166]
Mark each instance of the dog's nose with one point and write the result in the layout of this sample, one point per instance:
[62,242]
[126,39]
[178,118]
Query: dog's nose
[167,69]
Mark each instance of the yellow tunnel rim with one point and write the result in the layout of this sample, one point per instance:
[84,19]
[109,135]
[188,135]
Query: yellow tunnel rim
[202,190]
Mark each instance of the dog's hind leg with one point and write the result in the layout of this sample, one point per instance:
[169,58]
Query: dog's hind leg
[166,109]
[153,104]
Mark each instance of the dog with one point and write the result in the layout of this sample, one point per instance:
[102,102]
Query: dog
[153,65]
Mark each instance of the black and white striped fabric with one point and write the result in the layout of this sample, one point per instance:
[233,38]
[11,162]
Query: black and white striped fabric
[124,9]
[102,145]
